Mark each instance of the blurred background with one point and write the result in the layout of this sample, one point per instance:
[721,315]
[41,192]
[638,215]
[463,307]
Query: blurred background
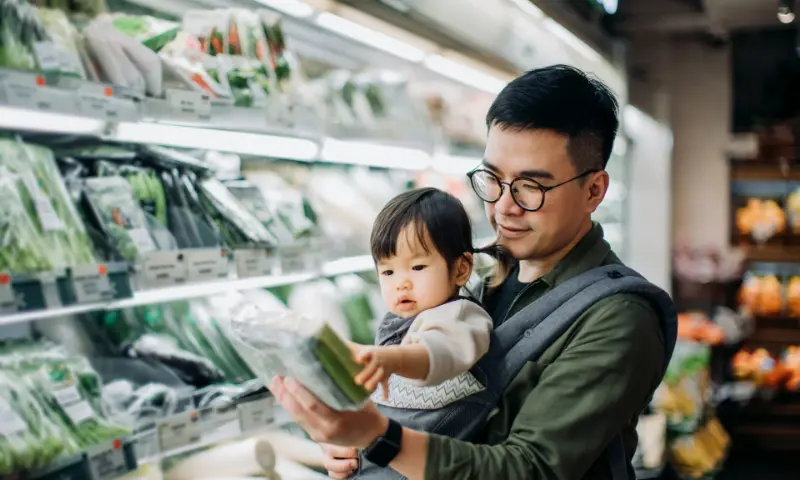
[163,163]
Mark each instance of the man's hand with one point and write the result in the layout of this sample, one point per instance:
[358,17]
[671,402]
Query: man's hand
[349,429]
[340,462]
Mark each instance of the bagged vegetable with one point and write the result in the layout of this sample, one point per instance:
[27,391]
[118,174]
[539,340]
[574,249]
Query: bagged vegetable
[307,349]
[60,51]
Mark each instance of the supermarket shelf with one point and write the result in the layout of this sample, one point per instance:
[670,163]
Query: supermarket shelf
[195,290]
[774,253]
[760,170]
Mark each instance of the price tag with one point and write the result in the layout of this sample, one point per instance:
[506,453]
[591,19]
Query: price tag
[79,412]
[179,431]
[10,421]
[25,90]
[98,102]
[293,259]
[8,300]
[205,265]
[67,396]
[92,284]
[256,414]
[255,262]
[191,104]
[164,269]
[108,462]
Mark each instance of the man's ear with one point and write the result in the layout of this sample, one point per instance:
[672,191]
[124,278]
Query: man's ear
[597,186]
[463,269]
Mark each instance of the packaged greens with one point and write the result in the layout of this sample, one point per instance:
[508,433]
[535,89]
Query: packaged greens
[20,29]
[236,223]
[120,217]
[53,236]
[307,349]
[60,51]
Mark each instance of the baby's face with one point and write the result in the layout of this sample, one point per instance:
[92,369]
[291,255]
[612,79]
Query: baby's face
[414,280]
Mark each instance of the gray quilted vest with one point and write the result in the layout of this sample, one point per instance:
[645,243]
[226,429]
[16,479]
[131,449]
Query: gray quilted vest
[460,407]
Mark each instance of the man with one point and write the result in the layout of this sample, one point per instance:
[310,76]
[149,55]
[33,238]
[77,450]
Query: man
[551,132]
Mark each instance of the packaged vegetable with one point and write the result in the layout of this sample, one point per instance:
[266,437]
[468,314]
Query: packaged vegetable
[307,349]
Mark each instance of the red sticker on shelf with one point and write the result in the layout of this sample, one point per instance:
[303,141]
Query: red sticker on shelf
[5,279]
[40,81]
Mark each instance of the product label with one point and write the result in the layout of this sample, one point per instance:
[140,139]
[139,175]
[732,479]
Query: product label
[24,90]
[48,55]
[256,414]
[255,262]
[48,217]
[92,284]
[179,431]
[8,300]
[67,396]
[10,421]
[194,105]
[164,269]
[79,412]
[293,259]
[205,265]
[142,240]
[108,461]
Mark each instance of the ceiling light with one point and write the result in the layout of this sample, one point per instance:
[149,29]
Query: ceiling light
[245,143]
[373,155]
[464,74]
[368,36]
[785,13]
[294,8]
[33,120]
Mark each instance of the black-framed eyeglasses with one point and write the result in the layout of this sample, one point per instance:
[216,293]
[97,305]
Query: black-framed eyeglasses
[526,192]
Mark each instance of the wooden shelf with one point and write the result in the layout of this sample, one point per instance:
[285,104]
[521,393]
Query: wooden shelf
[760,170]
[773,253]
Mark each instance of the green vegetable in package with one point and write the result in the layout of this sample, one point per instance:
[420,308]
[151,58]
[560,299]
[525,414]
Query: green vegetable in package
[286,343]
[40,228]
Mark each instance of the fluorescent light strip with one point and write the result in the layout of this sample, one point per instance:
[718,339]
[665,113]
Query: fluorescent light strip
[528,7]
[454,164]
[368,36]
[362,263]
[294,8]
[571,39]
[19,119]
[464,74]
[372,155]
[209,139]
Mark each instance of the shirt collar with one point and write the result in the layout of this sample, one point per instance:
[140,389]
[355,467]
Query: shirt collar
[590,252]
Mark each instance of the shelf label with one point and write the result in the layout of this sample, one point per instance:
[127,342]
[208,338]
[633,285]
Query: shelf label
[257,262]
[98,102]
[205,265]
[179,431]
[192,104]
[92,284]
[25,90]
[164,269]
[108,462]
[294,259]
[256,414]
[8,300]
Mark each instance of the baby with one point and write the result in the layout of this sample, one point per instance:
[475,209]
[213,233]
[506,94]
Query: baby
[422,246]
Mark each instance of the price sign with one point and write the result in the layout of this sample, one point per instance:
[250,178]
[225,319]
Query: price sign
[294,259]
[92,284]
[179,431]
[108,461]
[25,90]
[205,265]
[255,262]
[164,269]
[191,104]
[98,102]
[256,414]
[8,300]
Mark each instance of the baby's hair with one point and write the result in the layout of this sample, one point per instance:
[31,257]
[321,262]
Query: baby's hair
[438,218]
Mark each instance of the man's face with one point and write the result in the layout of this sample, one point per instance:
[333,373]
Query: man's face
[540,155]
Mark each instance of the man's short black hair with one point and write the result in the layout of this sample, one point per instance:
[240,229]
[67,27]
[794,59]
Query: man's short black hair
[563,99]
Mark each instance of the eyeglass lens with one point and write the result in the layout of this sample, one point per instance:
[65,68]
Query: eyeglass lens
[527,193]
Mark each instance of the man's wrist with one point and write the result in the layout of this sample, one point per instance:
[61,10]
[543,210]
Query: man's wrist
[379,429]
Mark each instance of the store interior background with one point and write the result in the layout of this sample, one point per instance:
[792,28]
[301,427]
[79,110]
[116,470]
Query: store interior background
[696,78]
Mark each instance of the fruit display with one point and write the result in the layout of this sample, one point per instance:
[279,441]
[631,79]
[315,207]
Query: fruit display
[696,326]
[793,297]
[760,219]
[793,207]
[683,395]
[768,371]
[762,295]
[701,454]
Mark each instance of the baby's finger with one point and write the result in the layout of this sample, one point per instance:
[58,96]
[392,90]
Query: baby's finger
[373,381]
[364,357]
[385,388]
[367,373]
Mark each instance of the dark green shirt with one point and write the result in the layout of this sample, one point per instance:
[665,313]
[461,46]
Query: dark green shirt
[560,413]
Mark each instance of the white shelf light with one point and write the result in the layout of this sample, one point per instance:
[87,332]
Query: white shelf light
[32,120]
[569,38]
[455,164]
[294,8]
[464,74]
[225,140]
[368,36]
[373,155]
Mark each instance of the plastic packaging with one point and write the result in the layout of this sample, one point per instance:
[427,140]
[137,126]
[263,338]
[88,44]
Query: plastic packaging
[307,349]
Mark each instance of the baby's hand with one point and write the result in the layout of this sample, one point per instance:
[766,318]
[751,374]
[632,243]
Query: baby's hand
[377,369]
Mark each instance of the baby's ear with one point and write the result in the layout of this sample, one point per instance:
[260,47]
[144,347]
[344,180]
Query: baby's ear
[463,269]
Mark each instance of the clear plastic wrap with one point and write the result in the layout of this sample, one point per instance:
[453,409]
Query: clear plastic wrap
[307,349]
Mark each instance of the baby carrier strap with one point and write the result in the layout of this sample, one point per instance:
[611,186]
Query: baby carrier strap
[527,334]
